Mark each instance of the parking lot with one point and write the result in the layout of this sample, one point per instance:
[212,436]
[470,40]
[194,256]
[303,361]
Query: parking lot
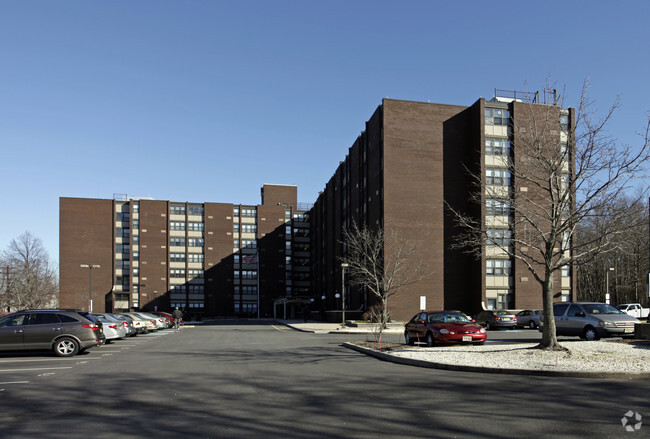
[243,379]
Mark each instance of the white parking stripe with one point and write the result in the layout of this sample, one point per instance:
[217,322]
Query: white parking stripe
[35,368]
[13,382]
[30,360]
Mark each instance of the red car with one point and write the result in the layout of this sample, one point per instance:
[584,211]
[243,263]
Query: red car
[165,315]
[433,327]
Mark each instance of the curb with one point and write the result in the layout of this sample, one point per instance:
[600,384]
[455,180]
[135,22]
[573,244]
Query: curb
[460,368]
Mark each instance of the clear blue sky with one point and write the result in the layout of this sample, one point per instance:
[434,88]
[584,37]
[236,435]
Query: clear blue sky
[200,101]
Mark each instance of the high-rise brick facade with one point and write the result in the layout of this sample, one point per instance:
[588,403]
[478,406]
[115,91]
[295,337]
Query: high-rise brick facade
[412,162]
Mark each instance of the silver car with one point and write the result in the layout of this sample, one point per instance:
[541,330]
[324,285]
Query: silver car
[529,317]
[591,320]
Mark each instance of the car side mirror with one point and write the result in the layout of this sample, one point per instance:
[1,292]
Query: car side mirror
[580,314]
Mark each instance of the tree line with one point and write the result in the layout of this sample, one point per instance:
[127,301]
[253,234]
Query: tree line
[29,278]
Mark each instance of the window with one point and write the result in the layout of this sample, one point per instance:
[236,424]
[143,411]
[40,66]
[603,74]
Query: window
[497,116]
[123,264]
[177,257]
[497,146]
[177,273]
[196,258]
[195,242]
[497,177]
[247,243]
[178,289]
[196,274]
[136,224]
[195,210]
[500,237]
[176,209]
[564,122]
[136,208]
[249,228]
[235,212]
[176,225]
[195,289]
[122,233]
[498,267]
[195,227]
[177,242]
[249,274]
[497,207]
[250,213]
[44,319]
[123,217]
[136,256]
[566,271]
[123,248]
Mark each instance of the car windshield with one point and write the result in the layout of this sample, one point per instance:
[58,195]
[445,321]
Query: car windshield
[447,317]
[600,308]
[501,313]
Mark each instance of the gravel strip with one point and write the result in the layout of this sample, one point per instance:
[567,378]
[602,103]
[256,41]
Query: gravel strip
[583,356]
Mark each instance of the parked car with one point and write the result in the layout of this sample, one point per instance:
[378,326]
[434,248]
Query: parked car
[591,320]
[635,310]
[65,332]
[165,315]
[157,320]
[443,327]
[127,324]
[161,322]
[496,318]
[529,317]
[138,324]
[113,329]
[141,324]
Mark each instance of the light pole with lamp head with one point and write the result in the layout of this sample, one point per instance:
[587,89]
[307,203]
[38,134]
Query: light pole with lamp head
[90,283]
[343,267]
[607,282]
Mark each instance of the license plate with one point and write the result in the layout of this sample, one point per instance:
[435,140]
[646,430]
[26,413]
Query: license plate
[629,330]
[467,338]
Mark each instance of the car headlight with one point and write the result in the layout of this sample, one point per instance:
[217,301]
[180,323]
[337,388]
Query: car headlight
[607,324]
[482,330]
[444,331]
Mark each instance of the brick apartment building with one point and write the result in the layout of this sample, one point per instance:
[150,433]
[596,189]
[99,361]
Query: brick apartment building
[412,160]
[213,259]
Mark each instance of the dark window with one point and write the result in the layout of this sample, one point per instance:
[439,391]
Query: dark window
[43,319]
[67,319]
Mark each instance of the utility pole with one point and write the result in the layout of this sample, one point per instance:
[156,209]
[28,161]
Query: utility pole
[90,283]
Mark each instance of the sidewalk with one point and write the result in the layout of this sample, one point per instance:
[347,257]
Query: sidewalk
[337,328]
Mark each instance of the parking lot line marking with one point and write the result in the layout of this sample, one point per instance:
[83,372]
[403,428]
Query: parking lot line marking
[13,382]
[279,329]
[34,360]
[35,368]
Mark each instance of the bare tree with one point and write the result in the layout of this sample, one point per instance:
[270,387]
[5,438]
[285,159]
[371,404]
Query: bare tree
[564,175]
[30,279]
[625,268]
[382,263]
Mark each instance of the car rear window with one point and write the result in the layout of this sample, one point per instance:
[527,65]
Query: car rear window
[67,319]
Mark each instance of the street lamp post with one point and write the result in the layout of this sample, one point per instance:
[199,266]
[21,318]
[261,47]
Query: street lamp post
[607,282]
[90,283]
[343,267]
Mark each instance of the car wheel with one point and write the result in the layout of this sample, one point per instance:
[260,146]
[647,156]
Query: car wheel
[590,334]
[66,347]
[407,338]
[430,340]
[488,325]
[532,325]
